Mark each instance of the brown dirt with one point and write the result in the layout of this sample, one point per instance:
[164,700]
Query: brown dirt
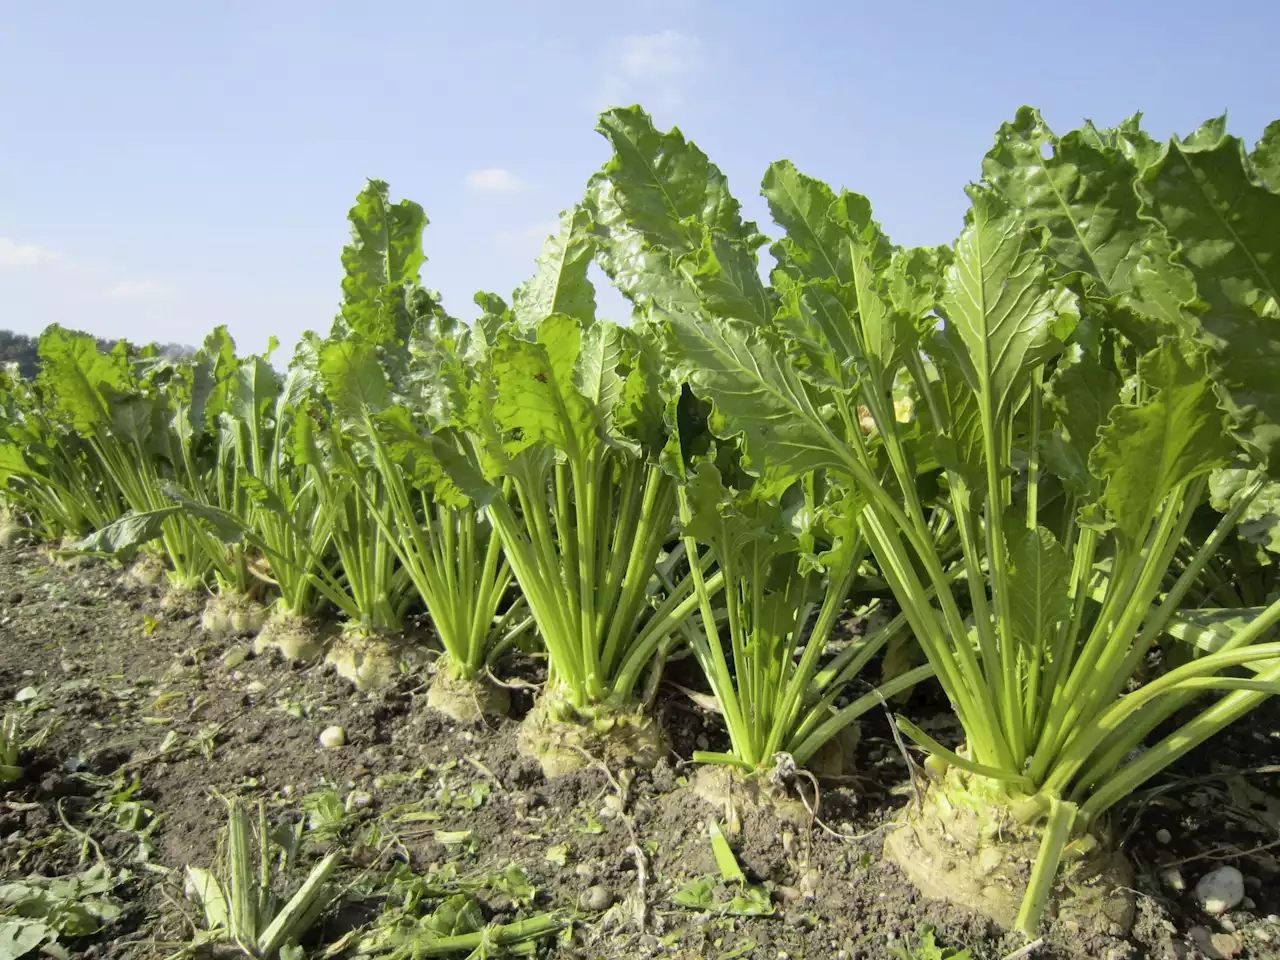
[116,675]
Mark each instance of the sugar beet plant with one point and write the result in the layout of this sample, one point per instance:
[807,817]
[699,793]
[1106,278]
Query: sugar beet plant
[392,367]
[569,419]
[1081,359]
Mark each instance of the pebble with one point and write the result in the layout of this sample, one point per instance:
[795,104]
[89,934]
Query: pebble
[257,686]
[333,737]
[595,898]
[1171,877]
[1226,945]
[1220,890]
[1163,835]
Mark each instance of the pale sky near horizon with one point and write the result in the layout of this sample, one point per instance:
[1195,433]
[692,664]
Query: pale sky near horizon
[170,166]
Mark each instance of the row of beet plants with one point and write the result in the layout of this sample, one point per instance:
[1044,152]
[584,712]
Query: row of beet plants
[1045,450]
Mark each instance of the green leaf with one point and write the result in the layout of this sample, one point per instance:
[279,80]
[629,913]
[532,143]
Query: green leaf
[137,528]
[1148,449]
[757,394]
[644,274]
[127,533]
[660,181]
[205,889]
[725,273]
[560,284]
[1266,155]
[1208,629]
[598,372]
[726,862]
[252,389]
[537,399]
[1037,583]
[80,378]
[998,300]
[19,937]
[1260,523]
[385,250]
[354,379]
[1080,394]
[816,244]
[1225,222]
[459,914]
[1082,194]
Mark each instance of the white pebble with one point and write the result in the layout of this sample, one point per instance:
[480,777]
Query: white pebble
[1163,835]
[1171,877]
[1220,890]
[595,899]
[334,737]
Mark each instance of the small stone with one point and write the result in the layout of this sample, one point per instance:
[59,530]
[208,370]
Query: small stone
[585,870]
[1200,939]
[358,800]
[255,686]
[1119,953]
[1263,935]
[1220,890]
[595,898]
[1163,835]
[333,737]
[1227,925]
[25,694]
[1248,903]
[1226,945]
[1171,877]
[234,657]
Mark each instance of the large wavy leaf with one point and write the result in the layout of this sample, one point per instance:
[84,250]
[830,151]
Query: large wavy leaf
[1081,194]
[560,284]
[1227,224]
[354,379]
[385,251]
[756,393]
[998,300]
[80,378]
[537,398]
[1148,449]
[660,180]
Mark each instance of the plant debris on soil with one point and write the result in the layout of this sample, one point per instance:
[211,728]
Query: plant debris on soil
[137,723]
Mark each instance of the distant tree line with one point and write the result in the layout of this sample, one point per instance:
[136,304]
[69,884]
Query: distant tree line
[24,350]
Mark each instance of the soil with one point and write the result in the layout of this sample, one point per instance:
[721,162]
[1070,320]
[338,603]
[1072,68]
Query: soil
[127,693]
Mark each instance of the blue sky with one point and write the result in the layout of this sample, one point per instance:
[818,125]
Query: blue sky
[170,166]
